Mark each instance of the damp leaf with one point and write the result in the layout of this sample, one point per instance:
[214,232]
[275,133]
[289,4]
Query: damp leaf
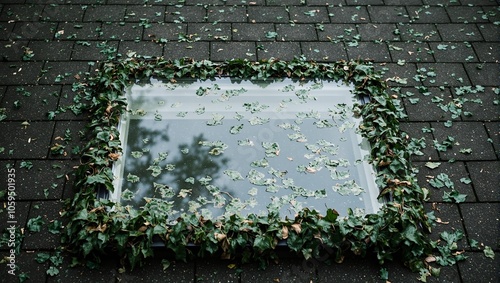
[303,94]
[127,195]
[200,110]
[52,271]
[233,174]
[155,170]
[454,196]
[258,121]
[182,114]
[465,180]
[95,179]
[432,165]
[238,116]
[319,194]
[442,47]
[339,175]
[441,180]
[288,182]
[255,107]
[260,163]
[183,193]
[205,180]
[245,142]
[217,147]
[288,126]
[236,129]
[132,178]
[201,91]
[137,154]
[271,34]
[258,178]
[384,274]
[35,224]
[193,206]
[189,180]
[158,116]
[277,173]
[298,137]
[466,150]
[214,190]
[165,191]
[347,188]
[488,252]
[253,191]
[272,188]
[474,243]
[216,120]
[323,124]
[271,148]
[288,88]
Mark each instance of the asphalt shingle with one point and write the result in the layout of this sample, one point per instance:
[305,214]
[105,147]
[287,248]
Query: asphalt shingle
[439,57]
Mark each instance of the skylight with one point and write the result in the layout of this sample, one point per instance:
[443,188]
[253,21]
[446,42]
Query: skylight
[229,146]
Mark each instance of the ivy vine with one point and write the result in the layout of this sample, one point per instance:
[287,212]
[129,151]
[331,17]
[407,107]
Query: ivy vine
[97,226]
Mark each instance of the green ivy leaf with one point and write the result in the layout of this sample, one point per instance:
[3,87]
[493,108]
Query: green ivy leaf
[216,120]
[236,129]
[347,188]
[165,263]
[155,171]
[95,179]
[35,224]
[255,107]
[465,180]
[331,215]
[26,164]
[127,195]
[257,178]
[260,163]
[52,271]
[55,226]
[23,277]
[410,233]
[234,175]
[384,274]
[432,165]
[132,178]
[258,121]
[466,150]
[271,148]
[473,243]
[42,257]
[441,181]
[454,196]
[442,47]
[488,252]
[271,34]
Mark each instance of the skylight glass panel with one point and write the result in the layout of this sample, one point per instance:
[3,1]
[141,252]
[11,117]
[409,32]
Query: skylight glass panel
[228,146]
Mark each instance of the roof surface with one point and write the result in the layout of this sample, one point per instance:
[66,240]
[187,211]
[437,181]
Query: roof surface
[430,51]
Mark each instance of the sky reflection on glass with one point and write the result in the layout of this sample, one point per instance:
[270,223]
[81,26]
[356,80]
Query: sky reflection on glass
[230,146]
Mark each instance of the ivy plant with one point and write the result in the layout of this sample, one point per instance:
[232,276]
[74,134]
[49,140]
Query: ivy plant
[97,226]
